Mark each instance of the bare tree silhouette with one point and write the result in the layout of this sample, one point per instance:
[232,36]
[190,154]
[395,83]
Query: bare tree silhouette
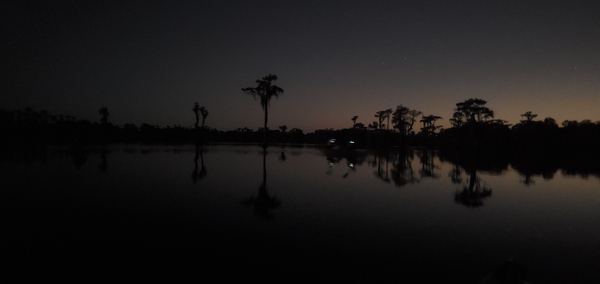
[196,109]
[204,113]
[199,110]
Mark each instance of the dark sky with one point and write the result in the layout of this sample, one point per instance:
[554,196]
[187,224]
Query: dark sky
[149,61]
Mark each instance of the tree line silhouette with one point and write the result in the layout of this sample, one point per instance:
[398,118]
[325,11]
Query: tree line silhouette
[474,128]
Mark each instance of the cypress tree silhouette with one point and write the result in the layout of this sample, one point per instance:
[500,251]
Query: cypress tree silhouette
[265,91]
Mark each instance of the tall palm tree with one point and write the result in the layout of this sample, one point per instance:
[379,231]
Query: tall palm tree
[265,91]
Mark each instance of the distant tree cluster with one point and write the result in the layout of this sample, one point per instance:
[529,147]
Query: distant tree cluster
[474,128]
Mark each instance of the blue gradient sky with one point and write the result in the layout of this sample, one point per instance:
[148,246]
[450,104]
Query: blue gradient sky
[149,61]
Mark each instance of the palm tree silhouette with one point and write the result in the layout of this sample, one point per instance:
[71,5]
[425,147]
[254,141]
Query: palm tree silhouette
[265,90]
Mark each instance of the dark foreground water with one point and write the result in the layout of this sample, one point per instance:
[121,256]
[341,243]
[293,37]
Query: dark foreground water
[230,212]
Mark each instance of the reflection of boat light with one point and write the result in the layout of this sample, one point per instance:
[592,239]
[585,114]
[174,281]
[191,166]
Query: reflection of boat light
[331,143]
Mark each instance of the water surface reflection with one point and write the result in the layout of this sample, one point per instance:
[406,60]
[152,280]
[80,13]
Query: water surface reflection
[353,216]
[263,203]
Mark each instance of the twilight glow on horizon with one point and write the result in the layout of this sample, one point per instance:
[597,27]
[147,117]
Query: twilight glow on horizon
[150,61]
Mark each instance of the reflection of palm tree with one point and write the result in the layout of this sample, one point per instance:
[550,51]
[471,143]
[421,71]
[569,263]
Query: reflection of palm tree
[265,91]
[263,203]
[199,155]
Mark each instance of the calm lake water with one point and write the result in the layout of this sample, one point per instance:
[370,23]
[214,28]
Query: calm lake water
[324,215]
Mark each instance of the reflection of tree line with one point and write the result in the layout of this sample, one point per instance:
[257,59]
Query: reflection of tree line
[532,164]
[397,166]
